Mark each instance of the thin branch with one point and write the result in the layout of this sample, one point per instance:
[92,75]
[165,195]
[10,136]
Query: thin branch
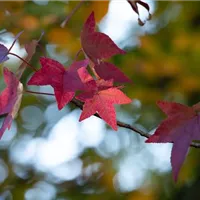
[42,49]
[77,54]
[13,54]
[132,128]
[3,31]
[42,93]
[128,126]
[72,13]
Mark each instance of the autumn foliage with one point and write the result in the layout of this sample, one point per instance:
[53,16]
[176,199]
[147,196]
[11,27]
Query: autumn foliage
[96,83]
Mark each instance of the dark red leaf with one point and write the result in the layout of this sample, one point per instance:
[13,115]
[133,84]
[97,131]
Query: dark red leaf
[97,45]
[71,80]
[89,26]
[64,81]
[181,127]
[10,99]
[51,73]
[63,97]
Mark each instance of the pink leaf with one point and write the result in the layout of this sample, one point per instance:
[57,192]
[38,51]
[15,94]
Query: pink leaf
[10,99]
[9,94]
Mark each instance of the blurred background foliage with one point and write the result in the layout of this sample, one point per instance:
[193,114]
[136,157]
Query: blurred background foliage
[48,154]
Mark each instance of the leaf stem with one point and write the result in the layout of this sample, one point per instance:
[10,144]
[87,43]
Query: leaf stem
[91,65]
[12,44]
[77,54]
[40,46]
[14,41]
[43,93]
[13,54]
[72,13]
[42,49]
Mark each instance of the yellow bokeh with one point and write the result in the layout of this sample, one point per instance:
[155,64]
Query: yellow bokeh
[30,23]
[64,39]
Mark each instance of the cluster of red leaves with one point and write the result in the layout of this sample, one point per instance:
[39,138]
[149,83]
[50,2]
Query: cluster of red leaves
[98,93]
[97,90]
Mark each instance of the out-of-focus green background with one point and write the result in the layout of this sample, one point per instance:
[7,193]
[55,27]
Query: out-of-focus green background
[49,155]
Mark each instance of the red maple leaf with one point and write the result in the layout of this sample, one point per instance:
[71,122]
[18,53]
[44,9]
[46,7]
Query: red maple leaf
[181,127]
[97,45]
[10,99]
[64,81]
[100,98]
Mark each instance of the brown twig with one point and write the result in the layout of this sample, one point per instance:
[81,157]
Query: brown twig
[77,54]
[128,126]
[13,54]
[3,32]
[72,12]
[42,93]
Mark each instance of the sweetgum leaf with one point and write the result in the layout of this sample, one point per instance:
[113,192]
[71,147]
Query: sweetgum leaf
[9,94]
[102,101]
[63,97]
[84,75]
[71,79]
[181,127]
[71,83]
[64,81]
[97,45]
[51,73]
[10,99]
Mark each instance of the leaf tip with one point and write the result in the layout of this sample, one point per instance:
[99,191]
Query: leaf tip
[115,128]
[152,139]
[175,177]
[161,103]
[81,119]
[60,107]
